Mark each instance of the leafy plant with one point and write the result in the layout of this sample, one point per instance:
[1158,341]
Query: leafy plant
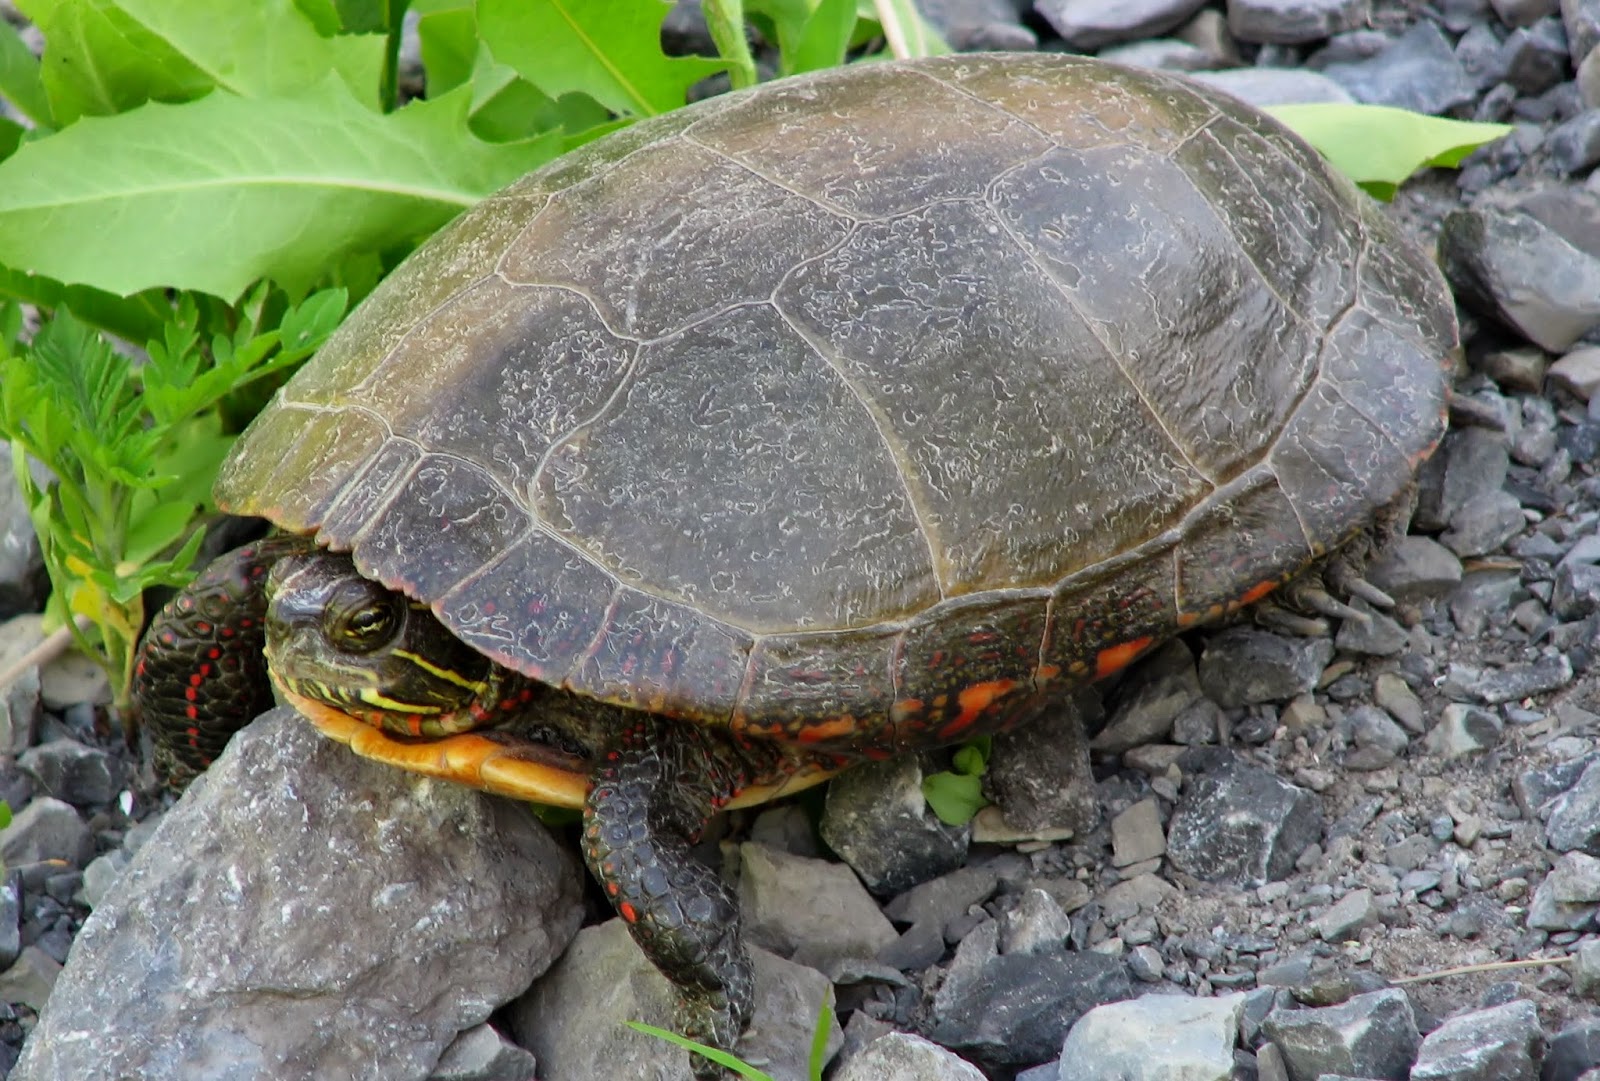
[956,794]
[131,452]
[1380,147]
[814,1064]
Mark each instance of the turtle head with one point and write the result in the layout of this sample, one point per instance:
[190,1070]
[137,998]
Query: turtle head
[347,642]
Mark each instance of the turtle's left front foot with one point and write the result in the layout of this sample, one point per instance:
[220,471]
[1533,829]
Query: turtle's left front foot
[652,793]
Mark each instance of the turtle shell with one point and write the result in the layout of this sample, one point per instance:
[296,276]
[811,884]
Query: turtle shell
[847,409]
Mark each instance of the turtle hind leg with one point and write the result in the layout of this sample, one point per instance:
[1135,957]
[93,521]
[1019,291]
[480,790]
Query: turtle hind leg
[651,794]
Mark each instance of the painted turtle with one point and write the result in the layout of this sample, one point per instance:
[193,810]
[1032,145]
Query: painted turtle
[848,415]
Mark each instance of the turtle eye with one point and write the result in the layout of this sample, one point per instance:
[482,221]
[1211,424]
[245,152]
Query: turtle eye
[361,624]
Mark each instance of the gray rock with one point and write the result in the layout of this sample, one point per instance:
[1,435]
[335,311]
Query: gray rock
[1569,896]
[46,829]
[102,874]
[574,1019]
[1485,596]
[1035,925]
[979,25]
[1585,970]
[23,583]
[10,926]
[1484,523]
[20,711]
[1372,1036]
[1244,666]
[1089,24]
[787,828]
[1379,635]
[1512,268]
[1415,567]
[1163,685]
[1496,685]
[1577,591]
[71,679]
[482,1054]
[1136,835]
[79,775]
[1534,58]
[1496,1044]
[1345,920]
[1379,740]
[1523,12]
[1419,71]
[1157,1036]
[831,919]
[1472,461]
[1574,822]
[1293,22]
[1396,696]
[1161,54]
[1141,893]
[1574,145]
[943,898]
[1464,730]
[231,949]
[1573,1051]
[1015,1009]
[877,821]
[1578,372]
[1263,87]
[1535,789]
[1582,21]
[900,1056]
[1039,771]
[1241,824]
[30,980]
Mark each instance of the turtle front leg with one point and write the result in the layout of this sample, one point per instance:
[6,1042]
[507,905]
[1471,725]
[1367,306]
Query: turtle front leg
[200,675]
[651,795]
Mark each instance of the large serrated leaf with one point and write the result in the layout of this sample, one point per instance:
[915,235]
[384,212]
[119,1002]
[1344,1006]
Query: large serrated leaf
[109,56]
[608,49]
[1378,146]
[215,193]
[20,81]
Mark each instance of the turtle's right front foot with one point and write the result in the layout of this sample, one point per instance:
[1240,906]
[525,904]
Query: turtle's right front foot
[651,796]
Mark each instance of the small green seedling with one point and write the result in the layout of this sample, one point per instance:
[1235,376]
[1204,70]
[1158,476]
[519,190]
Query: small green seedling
[957,793]
[817,1060]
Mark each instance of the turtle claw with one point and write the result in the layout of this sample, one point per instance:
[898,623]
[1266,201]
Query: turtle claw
[1320,600]
[1359,587]
[1281,618]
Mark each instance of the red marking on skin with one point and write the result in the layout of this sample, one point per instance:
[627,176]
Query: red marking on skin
[980,638]
[974,700]
[191,712]
[192,733]
[611,888]
[195,679]
[628,912]
[247,623]
[191,693]
[1119,656]
[213,653]
[1256,592]
[488,608]
[414,725]
[203,627]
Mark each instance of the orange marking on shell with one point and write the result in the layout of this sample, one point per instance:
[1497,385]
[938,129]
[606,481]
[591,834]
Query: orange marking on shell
[905,709]
[1119,656]
[974,700]
[1256,592]
[817,731]
[628,912]
[1046,672]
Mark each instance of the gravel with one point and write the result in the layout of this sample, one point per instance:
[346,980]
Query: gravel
[1282,828]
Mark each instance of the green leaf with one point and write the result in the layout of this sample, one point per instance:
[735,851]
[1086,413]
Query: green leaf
[114,55]
[1379,147]
[908,33]
[5,814]
[20,80]
[213,194]
[369,16]
[954,797]
[607,49]
[812,34]
[323,16]
[135,318]
[448,33]
[725,19]
[973,758]
[720,1057]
